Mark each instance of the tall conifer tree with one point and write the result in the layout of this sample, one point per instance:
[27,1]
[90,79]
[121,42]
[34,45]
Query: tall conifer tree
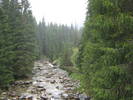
[17,41]
[6,75]
[106,53]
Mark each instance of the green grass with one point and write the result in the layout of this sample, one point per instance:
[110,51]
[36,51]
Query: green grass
[75,74]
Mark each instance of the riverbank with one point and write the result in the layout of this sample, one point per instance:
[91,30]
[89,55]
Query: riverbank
[49,82]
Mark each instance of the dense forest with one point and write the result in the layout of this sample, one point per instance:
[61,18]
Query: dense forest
[17,41]
[57,42]
[99,55]
[106,50]
[22,41]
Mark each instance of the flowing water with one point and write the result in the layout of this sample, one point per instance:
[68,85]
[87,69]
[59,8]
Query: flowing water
[49,82]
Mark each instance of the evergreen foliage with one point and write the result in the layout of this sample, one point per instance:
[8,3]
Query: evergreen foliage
[106,52]
[17,41]
[104,58]
[56,41]
[6,76]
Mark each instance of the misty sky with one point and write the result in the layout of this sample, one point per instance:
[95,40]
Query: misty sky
[60,11]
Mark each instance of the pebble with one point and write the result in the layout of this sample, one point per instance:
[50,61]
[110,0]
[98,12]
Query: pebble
[48,82]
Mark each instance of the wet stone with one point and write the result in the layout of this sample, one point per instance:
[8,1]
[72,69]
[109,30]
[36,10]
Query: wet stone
[4,93]
[26,97]
[57,87]
[50,83]
[53,81]
[44,98]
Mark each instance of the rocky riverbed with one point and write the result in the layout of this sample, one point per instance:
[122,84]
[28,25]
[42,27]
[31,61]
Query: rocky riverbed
[49,82]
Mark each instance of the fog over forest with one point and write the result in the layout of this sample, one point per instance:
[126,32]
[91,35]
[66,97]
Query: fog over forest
[66,50]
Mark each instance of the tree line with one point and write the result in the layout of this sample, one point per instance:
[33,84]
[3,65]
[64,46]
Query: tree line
[17,41]
[23,40]
[105,56]
[56,42]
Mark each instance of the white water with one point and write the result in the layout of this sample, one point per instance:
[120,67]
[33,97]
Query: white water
[50,82]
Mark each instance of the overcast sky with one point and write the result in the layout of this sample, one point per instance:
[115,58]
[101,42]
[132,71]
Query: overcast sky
[60,11]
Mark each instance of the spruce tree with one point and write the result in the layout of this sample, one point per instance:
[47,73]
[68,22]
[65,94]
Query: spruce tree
[106,52]
[24,39]
[17,41]
[6,75]
[57,41]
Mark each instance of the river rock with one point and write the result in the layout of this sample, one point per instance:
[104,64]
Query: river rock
[49,83]
[41,89]
[84,97]
[12,94]
[53,82]
[4,93]
[26,97]
[57,87]
[44,98]
[3,98]
[64,95]
[15,98]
